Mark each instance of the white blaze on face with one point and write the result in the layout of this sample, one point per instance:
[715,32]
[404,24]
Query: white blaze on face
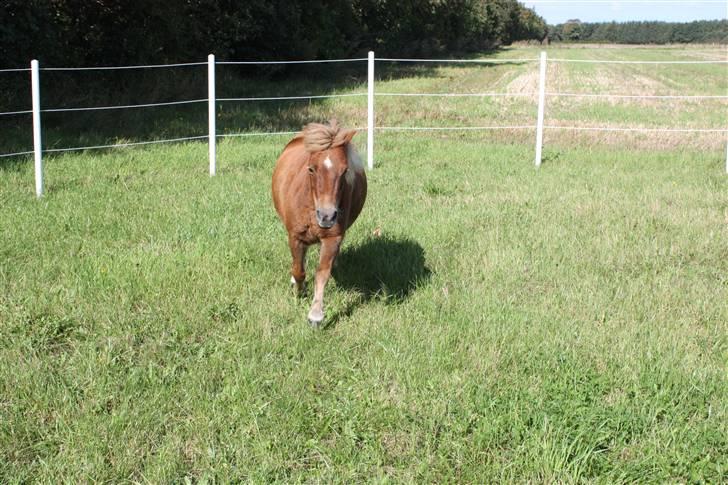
[328,164]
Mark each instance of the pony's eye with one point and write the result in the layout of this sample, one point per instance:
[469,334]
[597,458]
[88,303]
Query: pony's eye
[311,170]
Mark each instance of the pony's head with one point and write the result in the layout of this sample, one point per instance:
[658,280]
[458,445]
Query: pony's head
[331,162]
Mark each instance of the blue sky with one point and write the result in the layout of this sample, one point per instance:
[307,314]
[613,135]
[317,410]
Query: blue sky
[559,11]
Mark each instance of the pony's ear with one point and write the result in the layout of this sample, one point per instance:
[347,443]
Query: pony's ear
[297,138]
[348,136]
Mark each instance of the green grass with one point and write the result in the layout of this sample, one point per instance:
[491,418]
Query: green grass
[487,322]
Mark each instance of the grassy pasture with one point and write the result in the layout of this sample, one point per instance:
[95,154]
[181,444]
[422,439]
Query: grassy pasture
[487,321]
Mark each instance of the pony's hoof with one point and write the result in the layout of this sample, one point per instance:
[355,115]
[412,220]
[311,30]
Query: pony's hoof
[315,317]
[299,289]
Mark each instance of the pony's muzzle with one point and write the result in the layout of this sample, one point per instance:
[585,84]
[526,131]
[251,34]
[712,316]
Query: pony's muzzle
[326,217]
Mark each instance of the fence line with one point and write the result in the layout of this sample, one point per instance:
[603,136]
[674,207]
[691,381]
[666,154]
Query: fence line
[646,130]
[25,112]
[123,145]
[289,98]
[117,68]
[459,61]
[349,95]
[17,154]
[129,106]
[527,95]
[371,94]
[455,95]
[274,133]
[637,96]
[259,63]
[454,128]
[599,61]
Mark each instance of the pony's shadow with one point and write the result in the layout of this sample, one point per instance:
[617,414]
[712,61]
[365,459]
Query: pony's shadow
[383,268]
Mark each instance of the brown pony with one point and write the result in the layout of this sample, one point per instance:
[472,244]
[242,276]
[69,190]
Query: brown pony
[319,188]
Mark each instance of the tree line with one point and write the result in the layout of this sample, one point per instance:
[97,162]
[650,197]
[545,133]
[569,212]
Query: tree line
[85,33]
[703,31]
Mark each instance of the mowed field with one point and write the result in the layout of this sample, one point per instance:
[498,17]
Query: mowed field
[487,321]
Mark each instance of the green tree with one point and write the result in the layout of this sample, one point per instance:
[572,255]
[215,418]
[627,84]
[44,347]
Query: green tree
[571,30]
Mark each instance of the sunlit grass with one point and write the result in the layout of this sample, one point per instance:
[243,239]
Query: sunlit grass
[487,322]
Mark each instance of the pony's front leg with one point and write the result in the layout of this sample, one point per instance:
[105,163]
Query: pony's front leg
[298,272]
[329,251]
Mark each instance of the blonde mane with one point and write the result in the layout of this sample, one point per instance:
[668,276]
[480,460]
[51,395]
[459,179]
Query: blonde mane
[318,137]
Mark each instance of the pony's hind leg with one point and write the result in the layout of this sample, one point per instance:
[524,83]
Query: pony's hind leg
[329,251]
[298,271]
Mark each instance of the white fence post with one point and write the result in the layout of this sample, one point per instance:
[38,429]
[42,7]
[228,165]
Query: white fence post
[370,111]
[541,106]
[211,113]
[37,146]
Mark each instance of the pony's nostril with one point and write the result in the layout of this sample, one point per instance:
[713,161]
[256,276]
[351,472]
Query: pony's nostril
[327,216]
